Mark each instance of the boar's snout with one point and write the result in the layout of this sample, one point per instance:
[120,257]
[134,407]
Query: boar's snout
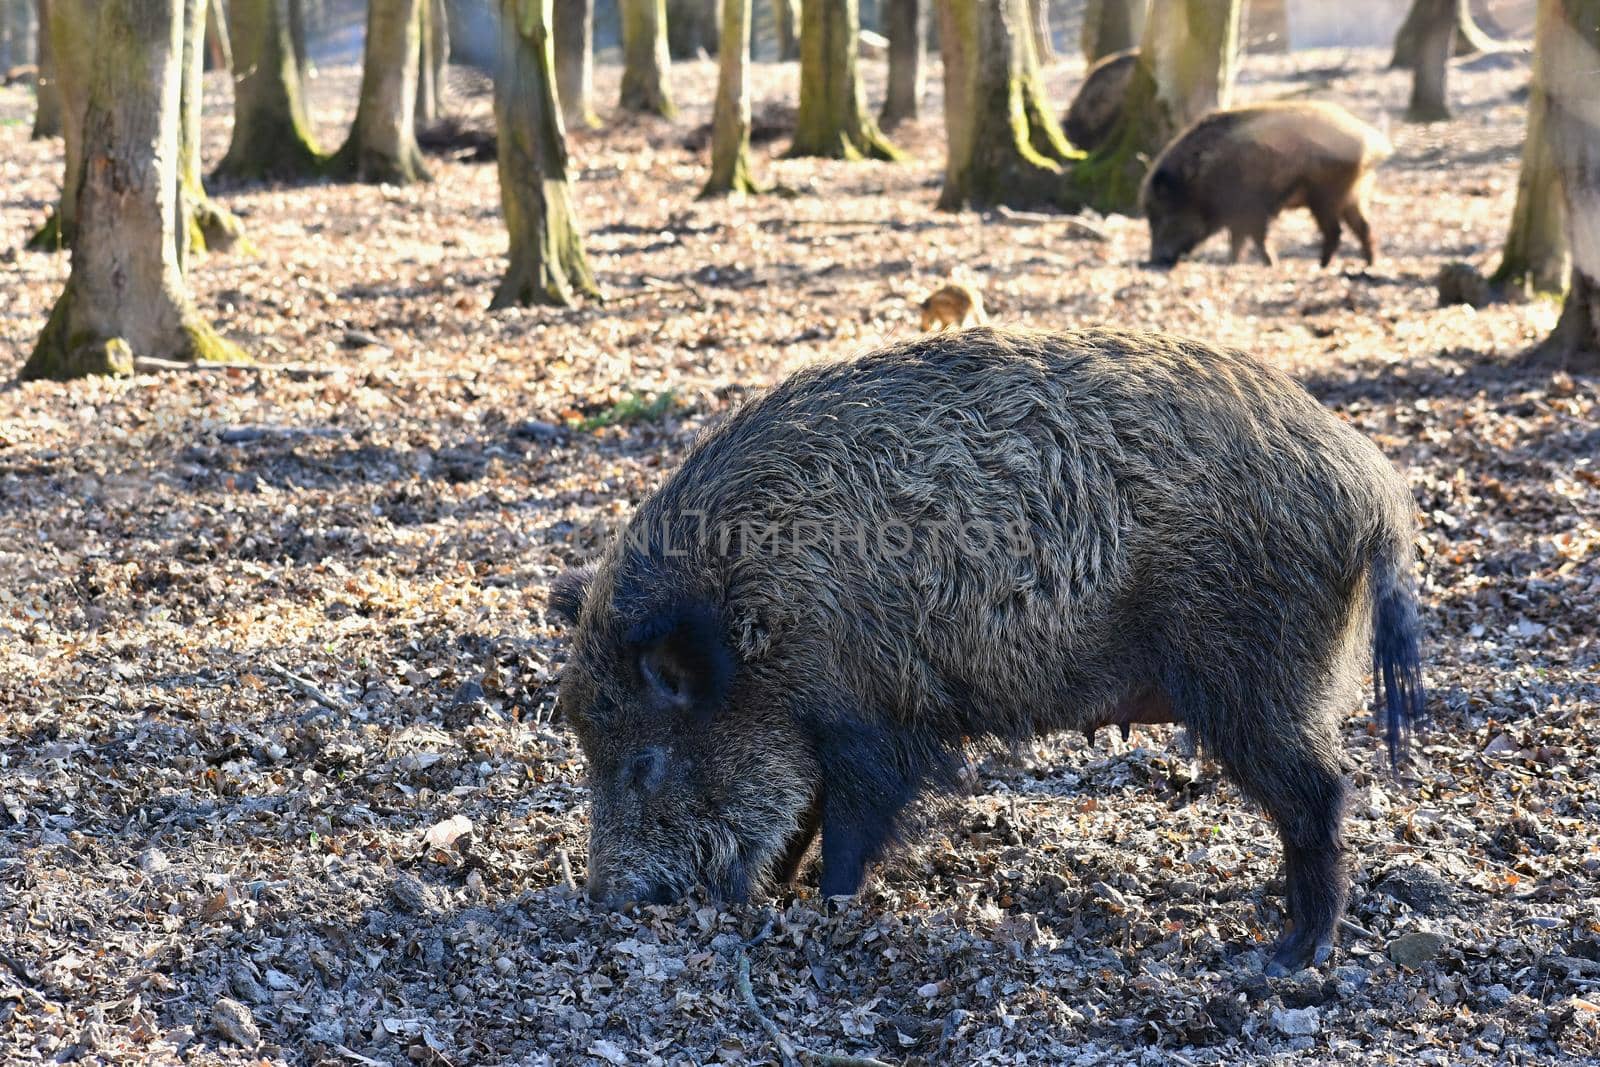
[614,893]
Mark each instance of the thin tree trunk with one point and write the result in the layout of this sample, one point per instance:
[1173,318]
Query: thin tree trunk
[72,28]
[1436,34]
[691,28]
[219,51]
[574,33]
[1535,256]
[382,146]
[787,15]
[645,61]
[907,24]
[271,132]
[1111,26]
[730,123]
[1039,21]
[1568,44]
[202,223]
[47,106]
[125,297]
[1469,40]
[1186,62]
[992,155]
[434,45]
[833,121]
[299,45]
[547,259]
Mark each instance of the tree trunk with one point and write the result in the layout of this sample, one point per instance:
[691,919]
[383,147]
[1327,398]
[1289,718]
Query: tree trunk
[547,258]
[907,24]
[645,62]
[1044,44]
[382,146]
[47,107]
[1469,40]
[271,132]
[125,297]
[1186,62]
[1111,26]
[1568,42]
[574,33]
[992,155]
[1535,255]
[833,120]
[219,52]
[1436,34]
[72,45]
[787,15]
[430,66]
[730,123]
[298,45]
[202,223]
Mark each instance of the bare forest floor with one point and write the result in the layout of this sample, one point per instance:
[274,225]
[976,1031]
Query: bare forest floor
[182,821]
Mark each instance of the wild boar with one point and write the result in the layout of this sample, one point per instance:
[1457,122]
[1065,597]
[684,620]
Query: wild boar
[985,535]
[1098,105]
[1237,169]
[952,305]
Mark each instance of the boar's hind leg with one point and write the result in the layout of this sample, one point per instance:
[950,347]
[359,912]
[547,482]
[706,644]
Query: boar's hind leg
[1356,219]
[1239,241]
[1327,216]
[1290,765]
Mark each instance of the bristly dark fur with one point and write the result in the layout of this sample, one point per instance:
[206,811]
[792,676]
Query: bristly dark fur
[1176,533]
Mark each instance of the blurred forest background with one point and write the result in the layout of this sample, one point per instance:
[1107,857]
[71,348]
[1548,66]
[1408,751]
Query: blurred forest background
[311,393]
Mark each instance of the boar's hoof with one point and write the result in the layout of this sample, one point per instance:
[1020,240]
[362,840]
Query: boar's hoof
[1295,954]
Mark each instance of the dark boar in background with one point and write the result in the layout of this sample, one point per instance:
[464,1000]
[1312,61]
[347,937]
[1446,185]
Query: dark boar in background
[985,535]
[1237,169]
[1098,105]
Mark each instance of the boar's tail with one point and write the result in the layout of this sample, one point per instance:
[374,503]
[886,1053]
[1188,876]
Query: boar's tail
[1396,658]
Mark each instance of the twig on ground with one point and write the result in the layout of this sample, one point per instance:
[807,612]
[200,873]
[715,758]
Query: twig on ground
[655,287]
[152,365]
[1075,226]
[308,687]
[566,869]
[1359,931]
[790,1053]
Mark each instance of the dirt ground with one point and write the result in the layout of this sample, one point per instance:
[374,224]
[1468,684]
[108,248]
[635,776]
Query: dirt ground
[278,777]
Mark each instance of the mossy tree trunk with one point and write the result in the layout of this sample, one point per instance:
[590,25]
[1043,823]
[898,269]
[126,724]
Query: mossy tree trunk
[1111,26]
[574,42]
[548,264]
[72,28]
[271,132]
[125,297]
[906,23]
[786,13]
[202,223]
[1569,49]
[833,120]
[730,121]
[1535,255]
[1435,38]
[1469,38]
[219,50]
[382,146]
[47,104]
[993,154]
[645,61]
[1187,57]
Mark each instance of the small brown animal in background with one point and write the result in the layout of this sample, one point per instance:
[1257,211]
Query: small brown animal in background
[23,75]
[1236,170]
[953,305]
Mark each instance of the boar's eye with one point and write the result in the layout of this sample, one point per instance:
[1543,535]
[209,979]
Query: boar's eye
[647,770]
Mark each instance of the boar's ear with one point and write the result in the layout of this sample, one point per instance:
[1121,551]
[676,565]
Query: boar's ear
[569,590]
[683,657]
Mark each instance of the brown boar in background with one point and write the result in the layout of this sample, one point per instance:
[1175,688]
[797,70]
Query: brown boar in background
[985,535]
[1237,169]
[1098,105]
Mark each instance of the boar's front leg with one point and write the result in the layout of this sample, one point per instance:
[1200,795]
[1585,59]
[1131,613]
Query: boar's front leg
[869,771]
[1327,216]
